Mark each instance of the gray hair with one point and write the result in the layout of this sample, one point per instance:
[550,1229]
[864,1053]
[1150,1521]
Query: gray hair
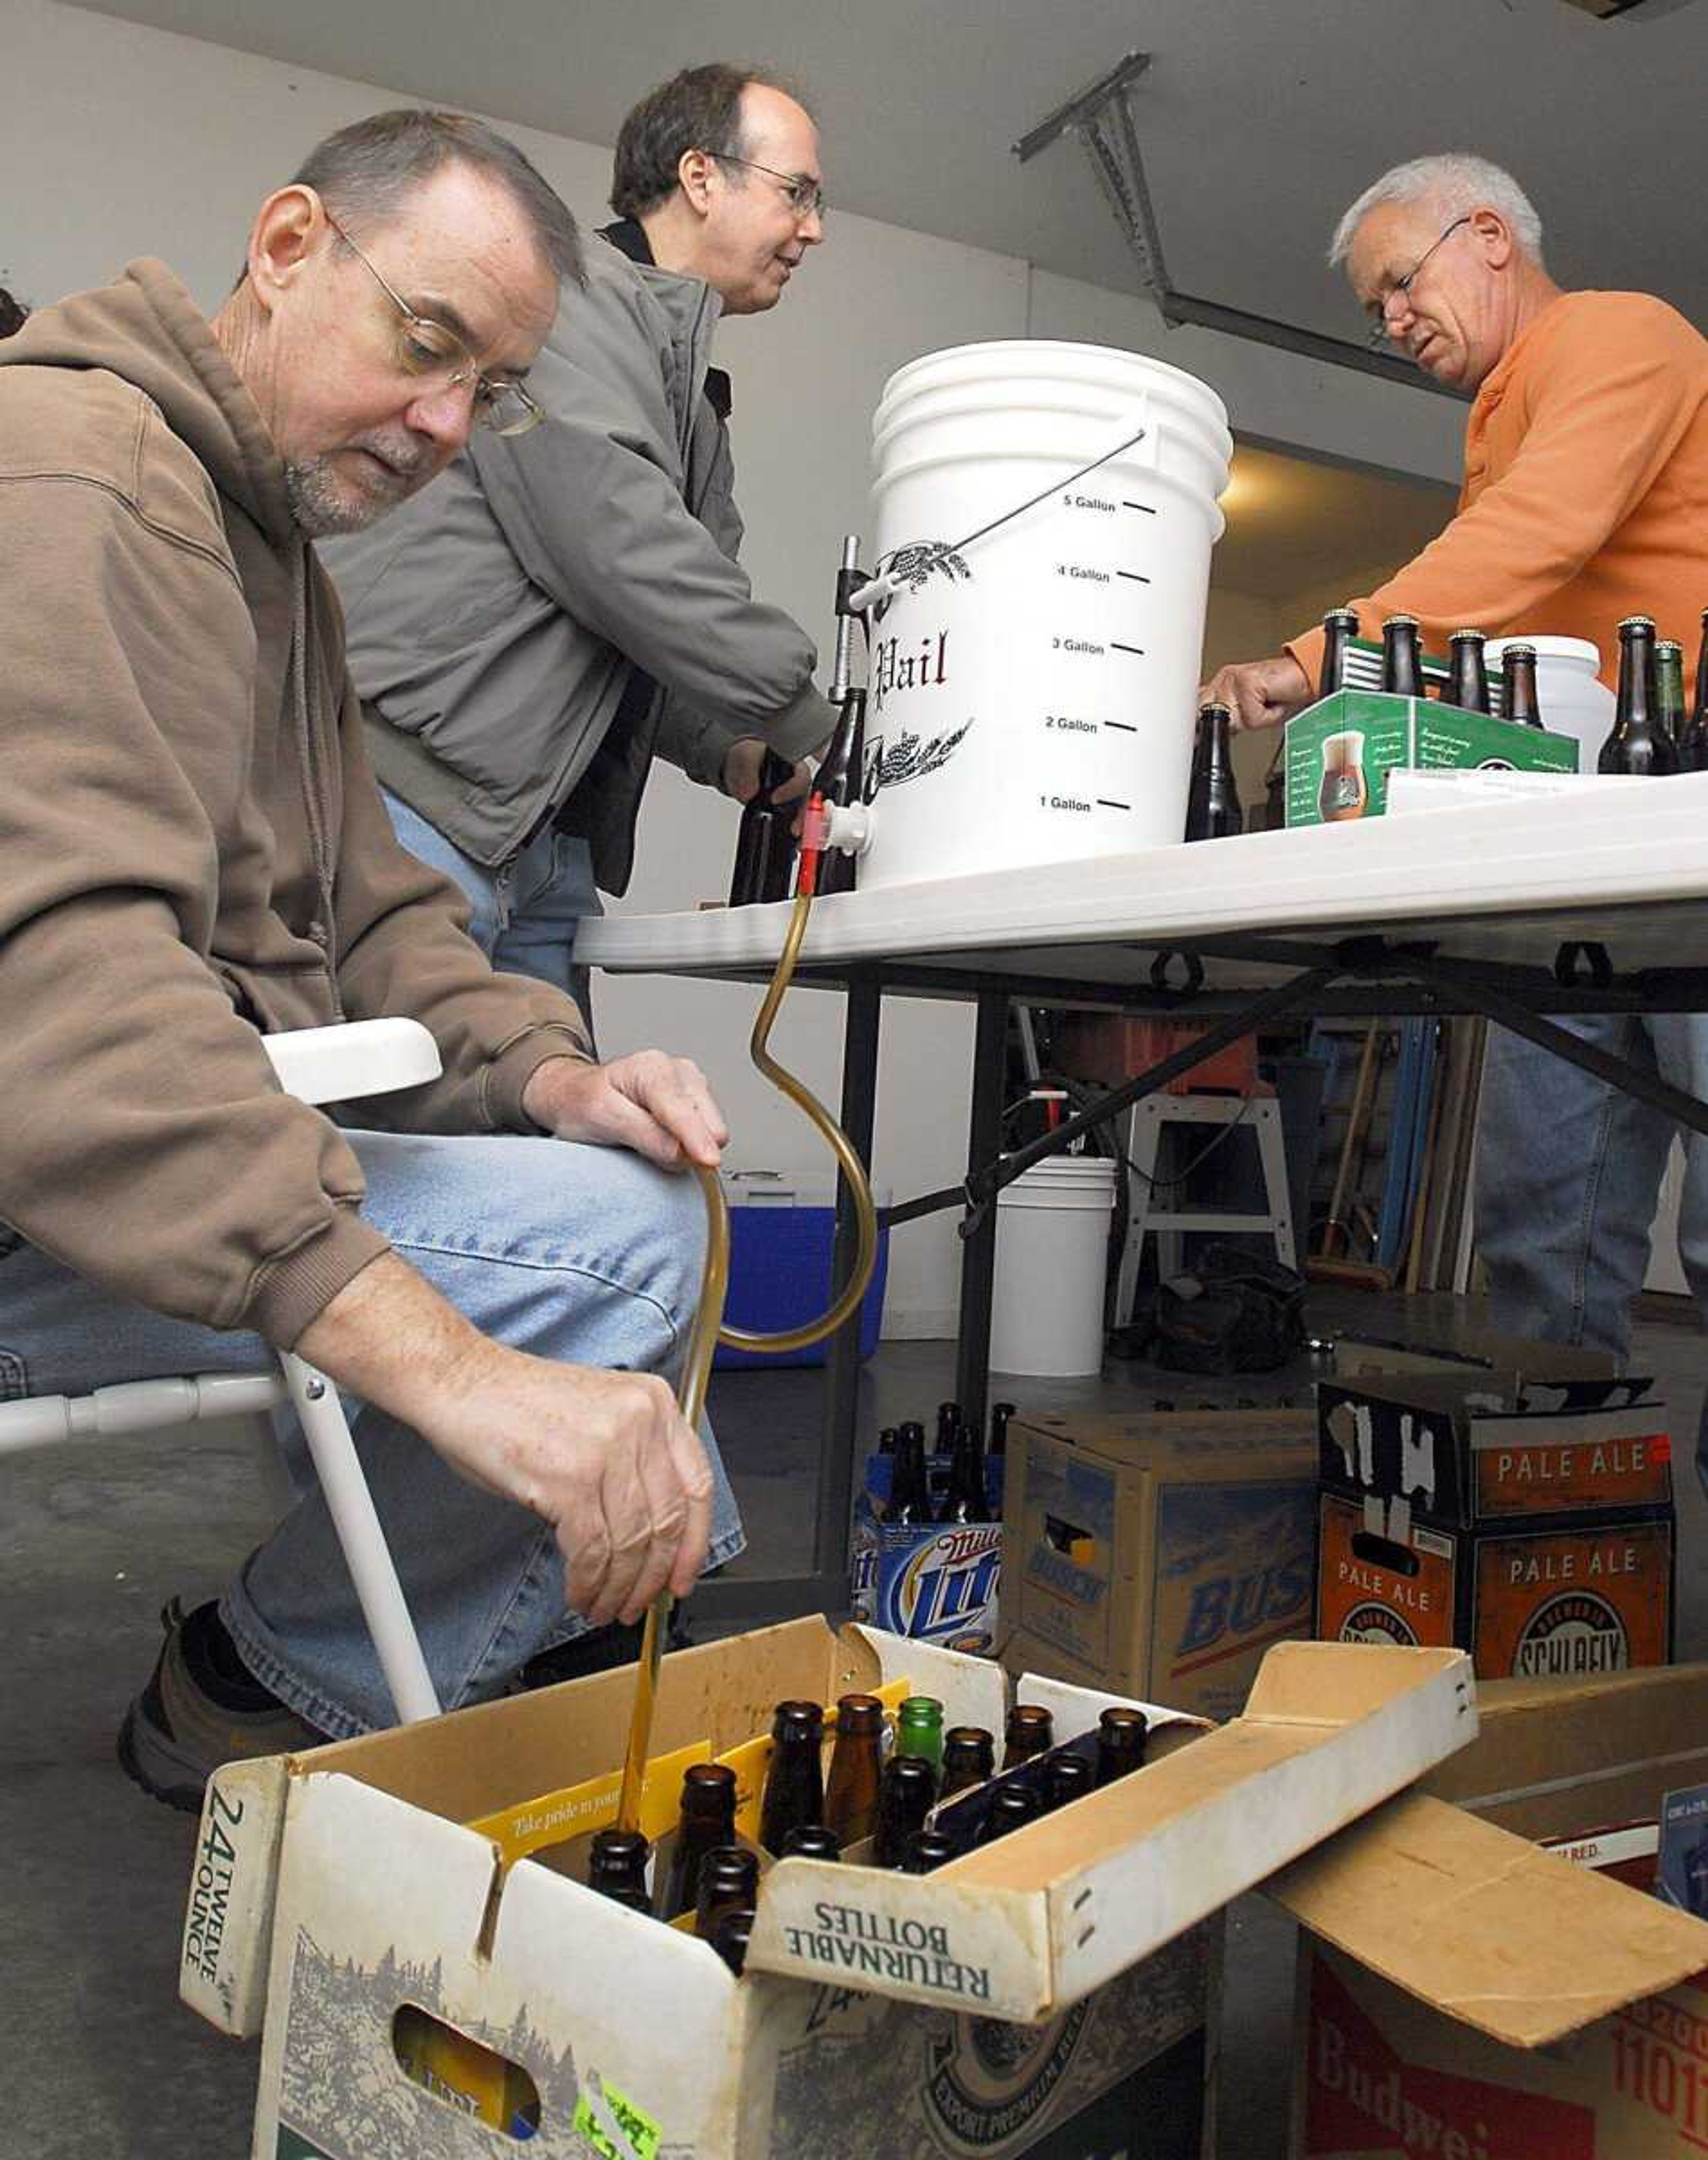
[1456,182]
[366,171]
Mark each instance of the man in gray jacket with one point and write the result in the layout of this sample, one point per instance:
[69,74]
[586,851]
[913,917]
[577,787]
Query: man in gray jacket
[527,642]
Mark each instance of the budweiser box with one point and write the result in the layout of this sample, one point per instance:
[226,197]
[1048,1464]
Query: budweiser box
[1340,750]
[1464,1991]
[1160,1553]
[1525,1516]
[1043,1996]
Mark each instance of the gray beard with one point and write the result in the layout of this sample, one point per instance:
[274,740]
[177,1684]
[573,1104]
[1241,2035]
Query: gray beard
[321,507]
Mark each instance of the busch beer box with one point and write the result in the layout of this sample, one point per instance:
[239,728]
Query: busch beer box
[935,1581]
[1160,1553]
[1528,1522]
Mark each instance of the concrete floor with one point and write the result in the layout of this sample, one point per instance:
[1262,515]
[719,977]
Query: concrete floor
[101,2062]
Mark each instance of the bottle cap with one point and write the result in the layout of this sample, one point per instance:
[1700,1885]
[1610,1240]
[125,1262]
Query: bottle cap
[1390,621]
[1637,623]
[1460,635]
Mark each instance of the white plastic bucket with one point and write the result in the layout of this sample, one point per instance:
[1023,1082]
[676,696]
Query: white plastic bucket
[1032,695]
[1573,700]
[1052,1238]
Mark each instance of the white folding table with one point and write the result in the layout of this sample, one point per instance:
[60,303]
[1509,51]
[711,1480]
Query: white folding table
[1595,901]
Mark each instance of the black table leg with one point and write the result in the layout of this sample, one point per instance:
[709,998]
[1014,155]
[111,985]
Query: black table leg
[978,1251]
[842,1378]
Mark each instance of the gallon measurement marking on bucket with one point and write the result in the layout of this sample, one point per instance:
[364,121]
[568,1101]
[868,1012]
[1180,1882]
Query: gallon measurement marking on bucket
[1002,472]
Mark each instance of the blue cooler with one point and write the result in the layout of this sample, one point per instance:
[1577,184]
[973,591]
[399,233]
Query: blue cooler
[782,1227]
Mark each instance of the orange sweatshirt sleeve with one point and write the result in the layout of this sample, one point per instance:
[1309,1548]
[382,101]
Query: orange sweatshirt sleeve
[1610,393]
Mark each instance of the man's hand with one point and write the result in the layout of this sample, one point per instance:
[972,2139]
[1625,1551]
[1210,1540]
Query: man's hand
[605,1458]
[660,1106]
[1259,693]
[742,763]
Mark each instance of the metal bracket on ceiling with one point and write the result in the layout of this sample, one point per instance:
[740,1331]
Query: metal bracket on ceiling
[1101,116]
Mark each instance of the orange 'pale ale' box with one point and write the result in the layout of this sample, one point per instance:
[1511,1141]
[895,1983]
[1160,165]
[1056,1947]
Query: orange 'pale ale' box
[1528,1522]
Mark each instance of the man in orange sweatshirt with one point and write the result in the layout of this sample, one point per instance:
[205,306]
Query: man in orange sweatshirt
[1585,500]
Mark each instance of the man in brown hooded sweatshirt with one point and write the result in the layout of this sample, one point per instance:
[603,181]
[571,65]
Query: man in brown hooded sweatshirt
[196,856]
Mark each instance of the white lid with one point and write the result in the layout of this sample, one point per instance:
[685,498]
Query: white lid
[1067,1169]
[788,1188]
[1550,648]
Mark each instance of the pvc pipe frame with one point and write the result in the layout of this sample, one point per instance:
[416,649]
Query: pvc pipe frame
[365,1552]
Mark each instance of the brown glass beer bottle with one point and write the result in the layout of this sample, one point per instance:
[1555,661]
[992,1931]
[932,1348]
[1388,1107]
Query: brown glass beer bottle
[851,1795]
[1637,743]
[794,1781]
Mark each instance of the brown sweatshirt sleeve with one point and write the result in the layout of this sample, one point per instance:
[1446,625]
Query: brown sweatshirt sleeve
[143,1140]
[1611,395]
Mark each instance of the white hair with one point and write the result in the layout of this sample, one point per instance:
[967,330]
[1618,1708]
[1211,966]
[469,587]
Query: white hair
[1456,182]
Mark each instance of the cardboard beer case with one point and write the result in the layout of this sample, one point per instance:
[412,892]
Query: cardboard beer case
[1340,751]
[1527,1516]
[1043,1996]
[1160,1553]
[1465,1992]
[938,1581]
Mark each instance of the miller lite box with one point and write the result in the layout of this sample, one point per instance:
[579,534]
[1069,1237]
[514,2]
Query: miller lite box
[1160,1553]
[935,1582]
[1501,2001]
[1528,1521]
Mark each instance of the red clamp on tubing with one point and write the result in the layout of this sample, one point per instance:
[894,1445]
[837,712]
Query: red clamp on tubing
[815,838]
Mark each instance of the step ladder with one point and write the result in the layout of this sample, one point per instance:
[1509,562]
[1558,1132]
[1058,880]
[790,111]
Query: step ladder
[1261,1116]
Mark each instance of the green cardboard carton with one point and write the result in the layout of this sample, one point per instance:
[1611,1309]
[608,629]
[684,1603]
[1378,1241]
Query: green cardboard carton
[1340,750]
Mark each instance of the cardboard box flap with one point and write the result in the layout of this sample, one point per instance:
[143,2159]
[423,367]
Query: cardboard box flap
[1517,1355]
[1589,1744]
[1481,1925]
[1211,1443]
[228,1920]
[1307,1695]
[469,1763]
[1020,1928]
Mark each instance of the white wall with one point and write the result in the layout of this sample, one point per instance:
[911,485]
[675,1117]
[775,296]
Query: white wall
[117,140]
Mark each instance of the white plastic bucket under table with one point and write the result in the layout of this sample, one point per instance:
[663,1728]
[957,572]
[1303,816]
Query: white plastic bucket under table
[1032,687]
[1052,1239]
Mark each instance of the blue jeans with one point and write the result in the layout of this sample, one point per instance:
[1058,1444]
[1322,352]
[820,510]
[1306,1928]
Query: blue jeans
[580,1254]
[525,913]
[1568,1173]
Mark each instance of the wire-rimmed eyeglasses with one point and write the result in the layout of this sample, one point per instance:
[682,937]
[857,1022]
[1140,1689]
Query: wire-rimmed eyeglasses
[426,348]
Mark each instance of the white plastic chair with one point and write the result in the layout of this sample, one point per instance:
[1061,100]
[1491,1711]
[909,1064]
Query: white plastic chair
[319,1065]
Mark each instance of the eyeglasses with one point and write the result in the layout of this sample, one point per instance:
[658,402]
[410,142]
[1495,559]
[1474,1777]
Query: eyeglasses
[1377,310]
[806,196]
[426,348]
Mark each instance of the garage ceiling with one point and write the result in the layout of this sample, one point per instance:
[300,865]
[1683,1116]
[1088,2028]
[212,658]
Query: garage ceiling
[1260,119]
